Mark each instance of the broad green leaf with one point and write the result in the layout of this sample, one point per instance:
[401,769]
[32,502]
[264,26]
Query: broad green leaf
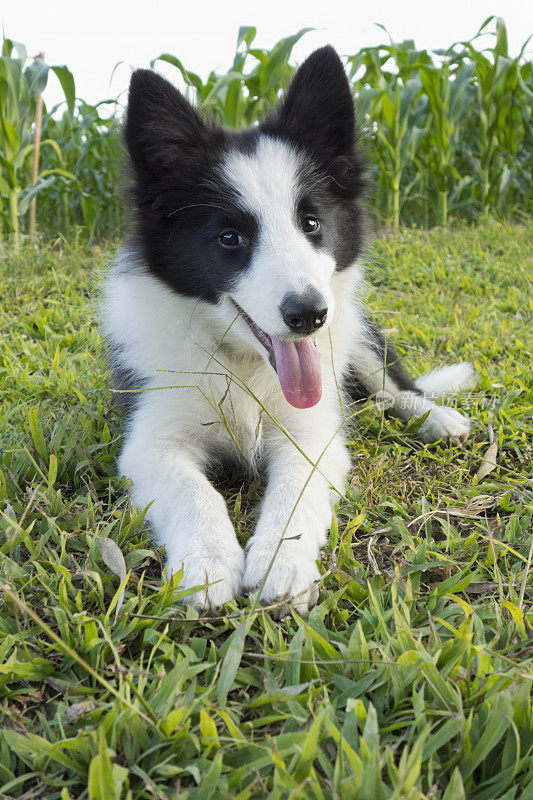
[66,79]
[230,664]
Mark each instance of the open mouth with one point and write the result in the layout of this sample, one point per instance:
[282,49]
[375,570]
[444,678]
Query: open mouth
[297,363]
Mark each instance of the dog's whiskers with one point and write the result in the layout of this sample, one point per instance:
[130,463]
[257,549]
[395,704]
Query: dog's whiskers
[197,205]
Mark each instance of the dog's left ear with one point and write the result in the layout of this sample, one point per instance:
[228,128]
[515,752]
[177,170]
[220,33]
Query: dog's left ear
[318,110]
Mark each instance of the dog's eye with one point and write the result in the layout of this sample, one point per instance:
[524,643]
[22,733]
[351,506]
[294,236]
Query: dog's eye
[230,239]
[310,224]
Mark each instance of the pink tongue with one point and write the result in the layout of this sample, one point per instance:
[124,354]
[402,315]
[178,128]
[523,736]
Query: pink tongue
[298,368]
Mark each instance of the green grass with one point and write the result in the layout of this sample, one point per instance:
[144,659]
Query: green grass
[413,676]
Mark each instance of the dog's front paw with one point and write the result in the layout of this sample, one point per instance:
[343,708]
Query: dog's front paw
[293,577]
[218,573]
[445,423]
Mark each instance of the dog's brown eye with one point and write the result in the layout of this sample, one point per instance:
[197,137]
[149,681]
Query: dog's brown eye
[230,239]
[310,224]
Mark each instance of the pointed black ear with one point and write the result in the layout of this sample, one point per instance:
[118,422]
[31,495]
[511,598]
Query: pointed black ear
[162,130]
[318,111]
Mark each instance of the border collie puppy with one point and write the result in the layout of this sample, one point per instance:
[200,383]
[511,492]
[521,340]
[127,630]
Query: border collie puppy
[235,309]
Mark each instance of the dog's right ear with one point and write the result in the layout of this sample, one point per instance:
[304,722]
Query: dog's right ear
[318,111]
[163,131]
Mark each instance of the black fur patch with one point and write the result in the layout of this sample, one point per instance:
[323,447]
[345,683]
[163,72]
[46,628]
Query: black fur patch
[182,203]
[392,360]
[126,383]
[354,383]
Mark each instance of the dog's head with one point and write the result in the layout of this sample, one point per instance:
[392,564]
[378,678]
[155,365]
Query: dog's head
[256,221]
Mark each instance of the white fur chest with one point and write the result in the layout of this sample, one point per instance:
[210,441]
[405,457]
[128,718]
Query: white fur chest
[206,391]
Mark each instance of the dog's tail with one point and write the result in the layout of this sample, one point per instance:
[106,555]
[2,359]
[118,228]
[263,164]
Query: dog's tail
[451,379]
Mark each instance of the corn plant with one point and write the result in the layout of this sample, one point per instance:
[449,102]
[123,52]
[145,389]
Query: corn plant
[90,150]
[500,116]
[239,98]
[445,96]
[462,140]
[448,132]
[388,102]
[20,83]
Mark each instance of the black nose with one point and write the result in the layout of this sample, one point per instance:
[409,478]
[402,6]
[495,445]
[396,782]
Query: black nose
[304,313]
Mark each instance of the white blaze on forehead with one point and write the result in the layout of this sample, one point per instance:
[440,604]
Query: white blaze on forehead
[266,179]
[284,261]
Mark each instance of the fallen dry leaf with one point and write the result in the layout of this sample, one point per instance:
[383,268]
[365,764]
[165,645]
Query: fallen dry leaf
[488,462]
[482,502]
[77,710]
[114,560]
[481,587]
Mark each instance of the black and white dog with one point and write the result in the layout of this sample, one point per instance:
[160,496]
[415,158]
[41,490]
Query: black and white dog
[241,288]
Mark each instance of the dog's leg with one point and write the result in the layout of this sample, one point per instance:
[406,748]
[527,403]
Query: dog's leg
[296,510]
[186,513]
[376,369]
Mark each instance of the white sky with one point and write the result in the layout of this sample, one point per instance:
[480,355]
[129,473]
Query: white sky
[91,36]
